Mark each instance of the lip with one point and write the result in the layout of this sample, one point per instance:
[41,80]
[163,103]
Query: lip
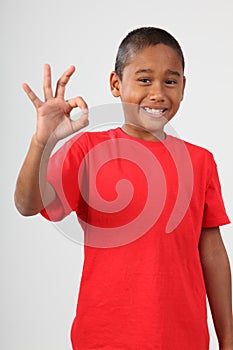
[154,112]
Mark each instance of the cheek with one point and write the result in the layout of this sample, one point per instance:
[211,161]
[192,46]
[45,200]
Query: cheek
[130,109]
[178,97]
[127,92]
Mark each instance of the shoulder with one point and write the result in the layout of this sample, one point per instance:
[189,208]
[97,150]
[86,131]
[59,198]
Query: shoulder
[102,135]
[197,153]
[200,159]
[86,140]
[99,135]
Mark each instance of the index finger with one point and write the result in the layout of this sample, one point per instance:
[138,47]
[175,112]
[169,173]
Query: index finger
[61,84]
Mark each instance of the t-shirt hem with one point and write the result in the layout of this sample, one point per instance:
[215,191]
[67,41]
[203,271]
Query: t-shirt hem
[215,223]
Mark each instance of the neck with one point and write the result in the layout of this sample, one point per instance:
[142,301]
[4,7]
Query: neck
[142,134]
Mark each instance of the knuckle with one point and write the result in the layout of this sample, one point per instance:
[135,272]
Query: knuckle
[61,83]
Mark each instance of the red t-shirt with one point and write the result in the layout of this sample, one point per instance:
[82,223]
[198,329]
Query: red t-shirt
[142,206]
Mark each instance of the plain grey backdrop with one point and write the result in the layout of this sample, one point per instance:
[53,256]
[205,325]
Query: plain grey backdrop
[40,268]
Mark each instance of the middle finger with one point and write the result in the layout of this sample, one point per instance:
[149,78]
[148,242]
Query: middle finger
[48,93]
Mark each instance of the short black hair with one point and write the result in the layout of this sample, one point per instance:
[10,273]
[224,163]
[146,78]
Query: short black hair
[140,38]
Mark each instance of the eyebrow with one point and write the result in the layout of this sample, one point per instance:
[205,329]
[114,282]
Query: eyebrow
[144,71]
[169,71]
[172,72]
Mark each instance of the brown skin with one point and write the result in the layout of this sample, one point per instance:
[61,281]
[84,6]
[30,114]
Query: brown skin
[33,192]
[154,79]
[161,86]
[217,276]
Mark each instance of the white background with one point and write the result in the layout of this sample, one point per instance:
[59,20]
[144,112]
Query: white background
[40,268]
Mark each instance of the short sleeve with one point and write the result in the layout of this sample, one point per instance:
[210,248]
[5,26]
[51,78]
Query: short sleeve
[214,209]
[63,175]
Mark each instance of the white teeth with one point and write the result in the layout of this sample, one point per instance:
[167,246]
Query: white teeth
[153,111]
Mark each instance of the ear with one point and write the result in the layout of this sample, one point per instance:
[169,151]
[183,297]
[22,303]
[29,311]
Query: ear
[115,84]
[184,83]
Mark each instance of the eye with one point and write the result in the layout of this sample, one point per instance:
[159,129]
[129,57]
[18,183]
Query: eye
[170,82]
[144,80]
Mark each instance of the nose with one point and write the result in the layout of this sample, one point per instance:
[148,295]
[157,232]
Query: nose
[157,92]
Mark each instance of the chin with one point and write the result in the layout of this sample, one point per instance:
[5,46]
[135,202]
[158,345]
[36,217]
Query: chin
[155,125]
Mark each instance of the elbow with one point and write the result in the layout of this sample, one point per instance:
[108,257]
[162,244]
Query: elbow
[25,210]
[26,213]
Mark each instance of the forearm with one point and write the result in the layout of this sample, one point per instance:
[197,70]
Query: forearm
[217,275]
[33,192]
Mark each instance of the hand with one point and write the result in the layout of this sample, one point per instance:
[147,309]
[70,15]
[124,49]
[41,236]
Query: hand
[53,115]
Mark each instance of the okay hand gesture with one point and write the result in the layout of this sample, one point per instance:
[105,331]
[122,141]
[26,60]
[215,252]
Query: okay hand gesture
[53,115]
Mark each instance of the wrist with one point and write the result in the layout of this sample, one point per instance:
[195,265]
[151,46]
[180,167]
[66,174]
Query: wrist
[37,142]
[49,144]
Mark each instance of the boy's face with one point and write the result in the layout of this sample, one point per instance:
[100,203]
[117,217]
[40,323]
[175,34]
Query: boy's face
[151,90]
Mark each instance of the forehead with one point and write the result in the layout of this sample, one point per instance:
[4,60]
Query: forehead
[159,55]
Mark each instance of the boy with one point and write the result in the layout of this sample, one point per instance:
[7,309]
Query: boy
[144,280]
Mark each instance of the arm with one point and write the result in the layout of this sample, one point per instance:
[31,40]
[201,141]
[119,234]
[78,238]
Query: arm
[217,276]
[33,192]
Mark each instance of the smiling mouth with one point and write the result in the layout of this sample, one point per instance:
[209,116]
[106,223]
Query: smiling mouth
[155,112]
